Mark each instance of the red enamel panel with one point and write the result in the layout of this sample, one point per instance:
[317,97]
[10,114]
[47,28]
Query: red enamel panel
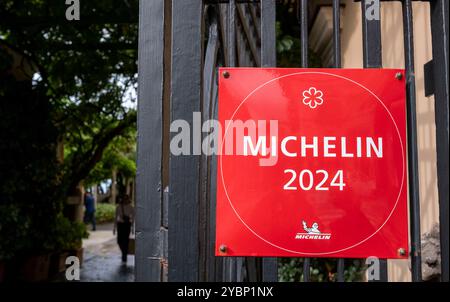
[317,166]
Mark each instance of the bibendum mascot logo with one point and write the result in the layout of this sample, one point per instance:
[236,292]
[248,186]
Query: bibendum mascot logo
[312,230]
[312,233]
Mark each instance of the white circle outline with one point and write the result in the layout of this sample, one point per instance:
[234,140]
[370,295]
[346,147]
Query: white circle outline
[401,146]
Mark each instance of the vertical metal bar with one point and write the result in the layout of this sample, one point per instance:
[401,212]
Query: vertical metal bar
[203,202]
[340,270]
[337,64]
[383,270]
[303,20]
[268,59]
[209,77]
[413,161]
[231,263]
[303,14]
[371,34]
[239,269]
[306,269]
[149,152]
[219,263]
[231,24]
[440,38]
[372,58]
[337,33]
[268,35]
[184,178]
[252,269]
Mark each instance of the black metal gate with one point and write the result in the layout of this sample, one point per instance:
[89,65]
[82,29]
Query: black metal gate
[181,45]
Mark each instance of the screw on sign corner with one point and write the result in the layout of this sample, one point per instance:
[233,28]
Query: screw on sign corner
[399,76]
[226,74]
[401,252]
[223,248]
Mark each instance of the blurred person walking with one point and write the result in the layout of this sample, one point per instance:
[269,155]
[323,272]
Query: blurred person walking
[89,213]
[123,223]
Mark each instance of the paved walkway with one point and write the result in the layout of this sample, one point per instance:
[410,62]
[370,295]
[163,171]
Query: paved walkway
[102,259]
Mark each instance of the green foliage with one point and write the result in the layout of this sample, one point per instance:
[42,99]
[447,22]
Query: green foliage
[322,270]
[87,70]
[120,156]
[31,195]
[105,212]
[85,73]
[288,39]
[285,43]
[5,59]
[29,170]
[13,231]
[67,234]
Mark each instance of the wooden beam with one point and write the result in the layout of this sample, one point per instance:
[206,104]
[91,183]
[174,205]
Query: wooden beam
[184,176]
[149,198]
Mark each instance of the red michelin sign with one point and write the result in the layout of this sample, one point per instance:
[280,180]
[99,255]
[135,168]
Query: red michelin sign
[312,163]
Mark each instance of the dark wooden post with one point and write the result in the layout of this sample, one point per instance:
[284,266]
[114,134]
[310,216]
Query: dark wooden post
[149,251]
[184,170]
